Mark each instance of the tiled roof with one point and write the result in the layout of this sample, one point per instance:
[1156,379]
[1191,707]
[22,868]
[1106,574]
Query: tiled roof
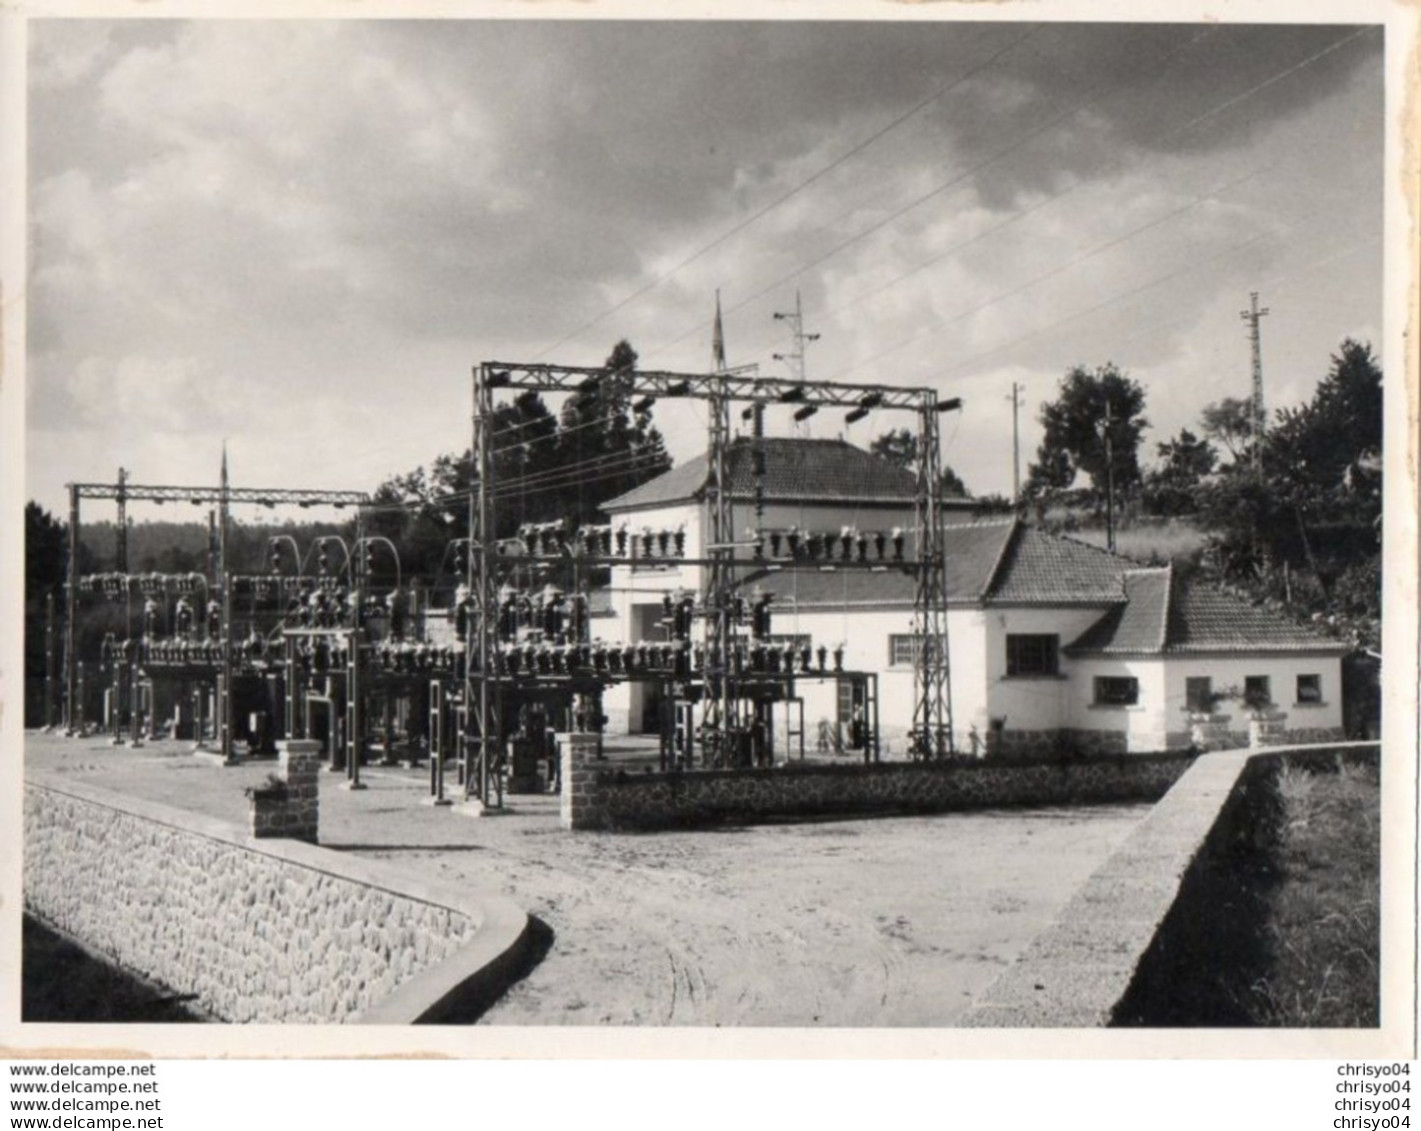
[833,589]
[1045,569]
[1205,619]
[1137,625]
[801,470]
[1167,615]
[679,485]
[972,552]
[1150,611]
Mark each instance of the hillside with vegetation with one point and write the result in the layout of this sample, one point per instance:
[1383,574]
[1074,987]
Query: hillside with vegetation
[1290,519]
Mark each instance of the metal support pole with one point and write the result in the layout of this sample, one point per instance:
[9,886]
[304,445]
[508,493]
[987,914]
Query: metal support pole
[290,723]
[719,578]
[437,732]
[932,710]
[135,691]
[121,546]
[225,707]
[355,717]
[80,731]
[49,661]
[73,708]
[482,692]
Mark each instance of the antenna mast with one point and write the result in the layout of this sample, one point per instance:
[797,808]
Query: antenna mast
[1260,419]
[795,357]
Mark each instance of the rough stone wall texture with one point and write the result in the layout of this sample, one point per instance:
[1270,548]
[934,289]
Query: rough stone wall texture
[254,936]
[1306,736]
[295,811]
[596,798]
[1267,730]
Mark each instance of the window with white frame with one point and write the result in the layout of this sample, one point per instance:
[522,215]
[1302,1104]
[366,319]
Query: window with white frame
[904,649]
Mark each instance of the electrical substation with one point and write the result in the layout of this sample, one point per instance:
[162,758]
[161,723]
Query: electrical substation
[477,672]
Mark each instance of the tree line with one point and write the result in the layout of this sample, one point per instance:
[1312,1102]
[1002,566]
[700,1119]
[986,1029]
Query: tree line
[546,467]
[1292,514]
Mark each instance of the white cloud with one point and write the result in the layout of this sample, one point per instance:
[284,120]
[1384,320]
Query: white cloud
[242,225]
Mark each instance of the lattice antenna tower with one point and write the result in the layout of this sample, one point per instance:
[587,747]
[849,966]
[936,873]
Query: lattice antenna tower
[1260,419]
[795,358]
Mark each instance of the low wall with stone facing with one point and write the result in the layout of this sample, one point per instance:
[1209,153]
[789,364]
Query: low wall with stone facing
[597,798]
[269,931]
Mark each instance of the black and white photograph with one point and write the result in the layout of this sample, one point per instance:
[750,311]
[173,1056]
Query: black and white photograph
[865,525]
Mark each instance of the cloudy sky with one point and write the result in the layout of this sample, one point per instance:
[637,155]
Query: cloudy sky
[301,236]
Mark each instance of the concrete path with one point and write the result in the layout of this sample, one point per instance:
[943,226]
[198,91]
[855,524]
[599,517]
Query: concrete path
[895,921]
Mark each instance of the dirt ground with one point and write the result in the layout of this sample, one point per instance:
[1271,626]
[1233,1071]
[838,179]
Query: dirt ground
[896,921]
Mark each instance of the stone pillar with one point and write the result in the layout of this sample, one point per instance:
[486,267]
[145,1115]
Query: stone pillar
[1267,728]
[579,781]
[1209,731]
[289,807]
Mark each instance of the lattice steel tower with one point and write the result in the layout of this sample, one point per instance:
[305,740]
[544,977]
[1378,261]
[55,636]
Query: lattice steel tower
[1260,419]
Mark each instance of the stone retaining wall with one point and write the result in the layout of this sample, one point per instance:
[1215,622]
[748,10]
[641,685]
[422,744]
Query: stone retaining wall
[597,798]
[258,931]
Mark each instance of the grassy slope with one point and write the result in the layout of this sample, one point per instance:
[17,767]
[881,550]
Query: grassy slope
[1279,924]
[1324,915]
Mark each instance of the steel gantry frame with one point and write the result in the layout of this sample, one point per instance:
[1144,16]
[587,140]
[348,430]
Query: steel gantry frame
[223,495]
[932,711]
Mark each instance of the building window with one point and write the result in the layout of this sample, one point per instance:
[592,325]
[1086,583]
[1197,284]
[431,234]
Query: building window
[904,649]
[1199,693]
[1309,689]
[1256,691]
[1116,691]
[845,703]
[1032,655]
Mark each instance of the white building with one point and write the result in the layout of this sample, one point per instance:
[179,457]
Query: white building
[1052,642]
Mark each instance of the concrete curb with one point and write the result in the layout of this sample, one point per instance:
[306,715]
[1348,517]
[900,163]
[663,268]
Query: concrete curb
[1073,974]
[454,990]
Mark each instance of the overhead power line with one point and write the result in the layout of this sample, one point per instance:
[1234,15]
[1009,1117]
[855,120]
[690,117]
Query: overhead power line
[814,177]
[1096,94]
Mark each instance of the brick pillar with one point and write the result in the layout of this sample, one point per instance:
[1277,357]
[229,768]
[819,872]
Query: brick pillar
[1267,728]
[291,808]
[579,781]
[300,762]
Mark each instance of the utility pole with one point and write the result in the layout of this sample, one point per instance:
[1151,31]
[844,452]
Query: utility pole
[718,337]
[1109,482]
[49,662]
[1016,403]
[795,357]
[1260,420]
